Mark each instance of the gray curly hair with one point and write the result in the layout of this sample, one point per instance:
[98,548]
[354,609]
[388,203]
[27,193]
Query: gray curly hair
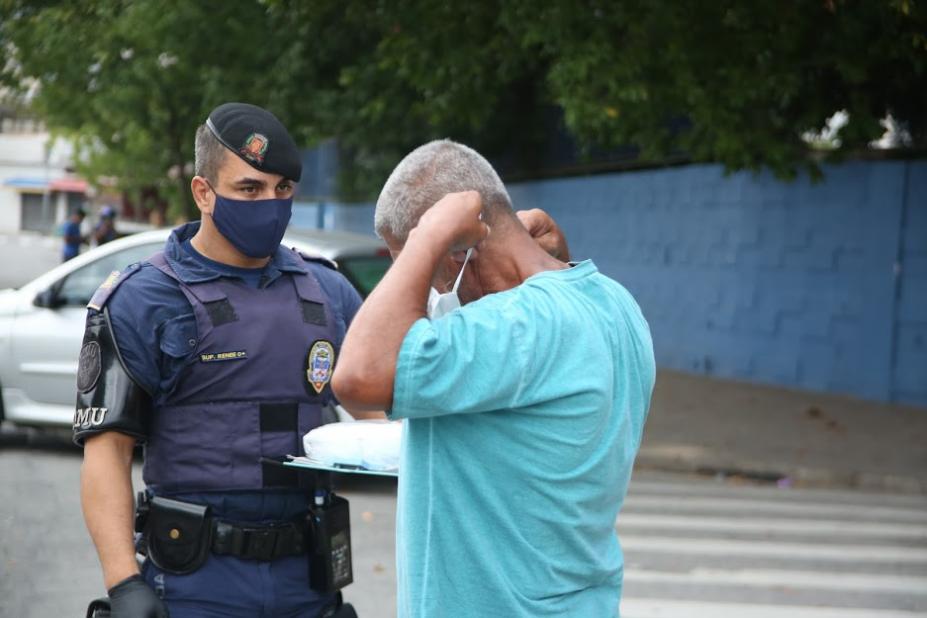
[427,174]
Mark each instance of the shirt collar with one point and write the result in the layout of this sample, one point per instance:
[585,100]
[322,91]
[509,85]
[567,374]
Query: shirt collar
[189,270]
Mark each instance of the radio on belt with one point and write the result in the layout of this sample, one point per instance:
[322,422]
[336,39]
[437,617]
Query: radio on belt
[330,561]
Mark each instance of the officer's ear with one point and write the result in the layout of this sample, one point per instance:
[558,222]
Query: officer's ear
[203,195]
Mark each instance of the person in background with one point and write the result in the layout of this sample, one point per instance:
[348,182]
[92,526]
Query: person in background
[72,236]
[523,382]
[105,230]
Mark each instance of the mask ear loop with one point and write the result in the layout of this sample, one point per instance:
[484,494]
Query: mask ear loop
[460,274]
[466,259]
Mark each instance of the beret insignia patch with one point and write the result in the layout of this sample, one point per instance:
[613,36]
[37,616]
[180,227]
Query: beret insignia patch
[254,148]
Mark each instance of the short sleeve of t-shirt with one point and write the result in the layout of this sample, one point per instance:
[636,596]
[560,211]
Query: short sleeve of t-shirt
[71,229]
[473,360]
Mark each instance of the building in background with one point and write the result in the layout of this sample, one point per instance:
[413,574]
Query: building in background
[37,187]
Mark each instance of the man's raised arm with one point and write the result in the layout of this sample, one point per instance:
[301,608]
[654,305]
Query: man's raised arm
[363,378]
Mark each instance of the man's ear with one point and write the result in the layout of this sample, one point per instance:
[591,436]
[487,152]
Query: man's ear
[203,195]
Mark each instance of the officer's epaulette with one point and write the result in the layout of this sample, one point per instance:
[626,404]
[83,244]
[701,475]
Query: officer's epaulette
[314,257]
[109,285]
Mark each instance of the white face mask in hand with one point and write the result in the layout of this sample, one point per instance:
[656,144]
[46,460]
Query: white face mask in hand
[442,304]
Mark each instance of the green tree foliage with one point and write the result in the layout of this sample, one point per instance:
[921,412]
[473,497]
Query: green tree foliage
[747,79]
[129,82]
[734,82]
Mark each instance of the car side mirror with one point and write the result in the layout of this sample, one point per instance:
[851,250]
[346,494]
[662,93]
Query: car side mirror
[48,299]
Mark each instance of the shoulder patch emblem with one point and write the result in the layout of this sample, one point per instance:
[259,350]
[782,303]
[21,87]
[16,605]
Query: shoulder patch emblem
[89,366]
[109,285]
[254,148]
[110,280]
[102,294]
[319,364]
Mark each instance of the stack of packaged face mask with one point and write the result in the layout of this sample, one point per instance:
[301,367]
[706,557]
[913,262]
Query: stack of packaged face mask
[367,445]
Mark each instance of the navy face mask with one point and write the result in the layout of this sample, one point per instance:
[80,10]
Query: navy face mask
[254,227]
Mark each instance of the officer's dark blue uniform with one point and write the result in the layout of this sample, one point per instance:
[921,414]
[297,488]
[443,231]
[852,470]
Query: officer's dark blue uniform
[156,317]
[156,328]
[219,371]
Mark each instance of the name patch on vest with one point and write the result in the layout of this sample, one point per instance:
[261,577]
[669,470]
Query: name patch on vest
[223,356]
[319,364]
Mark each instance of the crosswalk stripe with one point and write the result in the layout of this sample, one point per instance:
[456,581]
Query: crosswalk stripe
[654,608]
[702,549]
[800,526]
[869,582]
[730,505]
[701,488]
[726,547]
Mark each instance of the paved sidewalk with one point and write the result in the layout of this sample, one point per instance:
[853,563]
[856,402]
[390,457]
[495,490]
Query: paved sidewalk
[735,429]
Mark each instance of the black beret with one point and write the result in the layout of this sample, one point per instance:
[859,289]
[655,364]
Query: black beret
[255,135]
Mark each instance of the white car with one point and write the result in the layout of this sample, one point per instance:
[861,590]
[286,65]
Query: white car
[42,323]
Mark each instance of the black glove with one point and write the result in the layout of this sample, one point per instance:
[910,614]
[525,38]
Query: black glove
[133,598]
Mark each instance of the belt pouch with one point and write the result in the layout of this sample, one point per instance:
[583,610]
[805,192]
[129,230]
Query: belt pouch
[179,535]
[330,558]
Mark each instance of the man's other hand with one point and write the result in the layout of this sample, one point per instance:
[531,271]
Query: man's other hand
[133,598]
[545,231]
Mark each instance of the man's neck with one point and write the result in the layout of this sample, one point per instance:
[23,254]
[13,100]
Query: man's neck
[504,265]
[211,244]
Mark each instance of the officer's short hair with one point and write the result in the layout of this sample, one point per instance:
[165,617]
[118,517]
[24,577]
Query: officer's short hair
[427,174]
[208,153]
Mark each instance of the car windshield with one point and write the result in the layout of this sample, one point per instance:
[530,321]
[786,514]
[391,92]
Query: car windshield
[364,272]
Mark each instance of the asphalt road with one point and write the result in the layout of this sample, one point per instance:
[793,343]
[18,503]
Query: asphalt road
[694,548]
[48,566]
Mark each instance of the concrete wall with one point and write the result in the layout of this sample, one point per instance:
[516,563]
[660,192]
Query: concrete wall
[820,286]
[814,285]
[909,376]
[10,210]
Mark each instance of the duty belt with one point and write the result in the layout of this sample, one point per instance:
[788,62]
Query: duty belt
[259,542]
[180,535]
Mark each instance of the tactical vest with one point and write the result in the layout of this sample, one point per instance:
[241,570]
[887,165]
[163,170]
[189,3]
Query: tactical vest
[256,385]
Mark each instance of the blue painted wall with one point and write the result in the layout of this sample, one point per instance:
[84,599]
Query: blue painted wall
[331,215]
[813,285]
[909,376]
[820,286]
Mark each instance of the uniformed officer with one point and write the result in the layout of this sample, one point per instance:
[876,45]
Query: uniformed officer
[215,354]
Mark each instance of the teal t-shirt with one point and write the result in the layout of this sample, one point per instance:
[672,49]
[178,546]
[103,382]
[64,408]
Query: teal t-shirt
[524,411]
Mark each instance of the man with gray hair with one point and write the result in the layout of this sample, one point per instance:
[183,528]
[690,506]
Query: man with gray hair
[523,408]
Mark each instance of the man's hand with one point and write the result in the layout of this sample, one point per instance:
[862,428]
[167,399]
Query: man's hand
[545,231]
[455,219]
[133,598]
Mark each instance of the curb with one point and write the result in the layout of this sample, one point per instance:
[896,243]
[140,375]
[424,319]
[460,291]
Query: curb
[785,476]
[46,438]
